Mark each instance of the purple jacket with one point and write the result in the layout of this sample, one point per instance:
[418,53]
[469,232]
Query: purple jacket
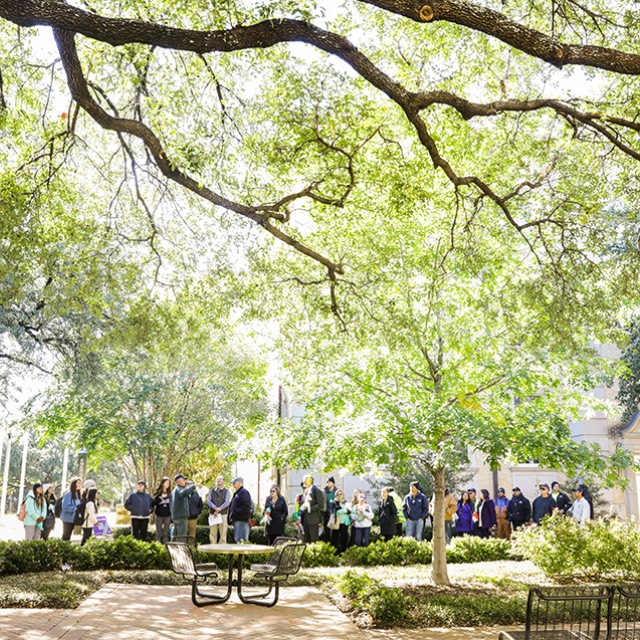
[487,514]
[465,523]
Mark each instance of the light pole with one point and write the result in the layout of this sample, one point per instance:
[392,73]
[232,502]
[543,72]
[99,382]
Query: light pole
[82,464]
[5,477]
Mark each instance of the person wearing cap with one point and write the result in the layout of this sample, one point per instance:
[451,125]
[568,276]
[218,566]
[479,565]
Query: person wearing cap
[179,504]
[519,509]
[415,509]
[543,505]
[330,495]
[240,511]
[502,507]
[581,510]
[140,505]
[561,502]
[312,509]
[36,509]
[218,500]
[49,522]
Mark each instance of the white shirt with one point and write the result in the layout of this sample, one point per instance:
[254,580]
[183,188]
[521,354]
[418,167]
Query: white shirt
[581,511]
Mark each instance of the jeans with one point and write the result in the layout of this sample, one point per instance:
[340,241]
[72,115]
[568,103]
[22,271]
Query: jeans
[414,529]
[447,530]
[32,532]
[139,528]
[241,531]
[86,534]
[163,526]
[67,530]
[362,536]
[180,527]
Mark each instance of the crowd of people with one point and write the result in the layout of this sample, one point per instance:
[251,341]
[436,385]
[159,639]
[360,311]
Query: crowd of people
[325,514]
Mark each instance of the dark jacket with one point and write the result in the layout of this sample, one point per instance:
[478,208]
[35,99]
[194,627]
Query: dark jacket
[519,510]
[195,505]
[416,507]
[311,514]
[388,517]
[240,507]
[139,504]
[562,502]
[162,505]
[278,512]
[465,522]
[180,501]
[541,507]
[487,514]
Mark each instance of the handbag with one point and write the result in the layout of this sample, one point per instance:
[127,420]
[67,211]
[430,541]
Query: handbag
[333,522]
[50,521]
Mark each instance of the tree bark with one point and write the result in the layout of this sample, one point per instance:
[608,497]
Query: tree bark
[439,572]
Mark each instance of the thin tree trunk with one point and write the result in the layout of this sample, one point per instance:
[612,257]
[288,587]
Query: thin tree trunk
[439,563]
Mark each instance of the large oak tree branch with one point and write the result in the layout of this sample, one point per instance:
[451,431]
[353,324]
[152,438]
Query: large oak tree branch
[530,41]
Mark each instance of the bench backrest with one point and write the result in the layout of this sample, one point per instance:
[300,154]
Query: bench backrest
[181,557]
[624,612]
[578,610]
[289,558]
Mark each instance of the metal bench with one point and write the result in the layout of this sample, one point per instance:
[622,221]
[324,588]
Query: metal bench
[624,613]
[183,562]
[564,613]
[283,562]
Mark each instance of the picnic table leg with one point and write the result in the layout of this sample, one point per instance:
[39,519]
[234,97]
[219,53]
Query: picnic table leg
[252,600]
[195,592]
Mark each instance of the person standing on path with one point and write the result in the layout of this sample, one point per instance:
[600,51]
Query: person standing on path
[36,508]
[90,512]
[416,509]
[275,513]
[180,505]
[543,505]
[140,505]
[581,510]
[49,522]
[312,509]
[240,511]
[70,501]
[519,509]
[502,509]
[195,509]
[162,506]
[219,500]
[388,515]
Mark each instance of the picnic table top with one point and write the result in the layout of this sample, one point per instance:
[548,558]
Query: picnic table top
[235,549]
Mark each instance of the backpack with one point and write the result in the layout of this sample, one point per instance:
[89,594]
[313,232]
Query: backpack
[57,509]
[78,516]
[22,513]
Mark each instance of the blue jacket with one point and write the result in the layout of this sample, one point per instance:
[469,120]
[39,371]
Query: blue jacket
[140,504]
[241,506]
[416,507]
[69,505]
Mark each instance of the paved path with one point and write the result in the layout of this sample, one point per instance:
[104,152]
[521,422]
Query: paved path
[135,612]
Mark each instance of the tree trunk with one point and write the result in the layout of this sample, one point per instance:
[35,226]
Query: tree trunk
[439,562]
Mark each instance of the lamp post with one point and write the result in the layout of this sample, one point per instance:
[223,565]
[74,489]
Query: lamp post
[5,477]
[82,464]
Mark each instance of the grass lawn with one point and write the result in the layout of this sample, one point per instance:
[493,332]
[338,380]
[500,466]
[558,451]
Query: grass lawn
[481,594]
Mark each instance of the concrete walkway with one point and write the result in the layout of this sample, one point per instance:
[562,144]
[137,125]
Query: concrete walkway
[135,612]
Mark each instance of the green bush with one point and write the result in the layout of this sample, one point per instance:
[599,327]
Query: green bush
[599,550]
[382,603]
[398,551]
[473,549]
[320,554]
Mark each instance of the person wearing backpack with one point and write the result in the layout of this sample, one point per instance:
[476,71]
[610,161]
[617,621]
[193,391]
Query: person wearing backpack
[90,512]
[70,502]
[35,513]
[50,519]
[311,510]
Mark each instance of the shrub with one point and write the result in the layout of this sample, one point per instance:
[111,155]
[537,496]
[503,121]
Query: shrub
[398,551]
[599,550]
[473,549]
[320,554]
[382,603]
